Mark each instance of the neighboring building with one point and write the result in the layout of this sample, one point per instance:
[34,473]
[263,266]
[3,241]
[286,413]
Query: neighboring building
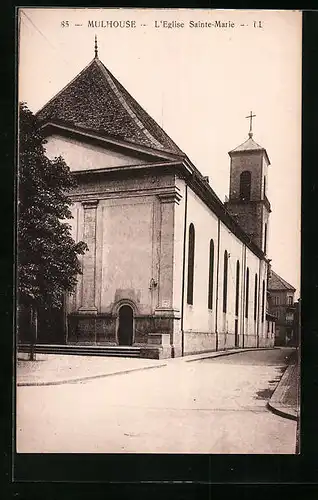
[297,324]
[270,318]
[271,325]
[170,268]
[281,305]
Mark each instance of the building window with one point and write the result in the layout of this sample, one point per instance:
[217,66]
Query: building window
[247,291]
[211,272]
[191,264]
[290,300]
[276,300]
[245,185]
[255,297]
[289,317]
[263,301]
[237,293]
[225,272]
[264,186]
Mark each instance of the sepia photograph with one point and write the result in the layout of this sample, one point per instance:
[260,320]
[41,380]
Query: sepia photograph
[158,231]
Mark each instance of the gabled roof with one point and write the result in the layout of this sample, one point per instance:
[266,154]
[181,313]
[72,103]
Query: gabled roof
[249,145]
[276,282]
[95,100]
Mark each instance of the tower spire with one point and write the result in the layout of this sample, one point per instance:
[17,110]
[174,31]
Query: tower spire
[250,116]
[96,47]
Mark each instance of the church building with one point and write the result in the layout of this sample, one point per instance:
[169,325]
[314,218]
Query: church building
[171,270]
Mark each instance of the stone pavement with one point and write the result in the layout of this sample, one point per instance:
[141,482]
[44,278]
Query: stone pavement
[285,400]
[52,369]
[214,405]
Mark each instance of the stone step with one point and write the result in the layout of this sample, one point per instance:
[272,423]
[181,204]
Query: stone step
[89,350]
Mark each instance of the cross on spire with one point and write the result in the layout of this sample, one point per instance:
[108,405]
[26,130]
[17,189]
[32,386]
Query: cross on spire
[250,116]
[96,47]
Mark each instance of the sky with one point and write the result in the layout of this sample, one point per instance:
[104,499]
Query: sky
[199,83]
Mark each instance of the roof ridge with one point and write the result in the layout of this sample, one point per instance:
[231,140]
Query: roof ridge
[284,282]
[110,77]
[114,107]
[249,139]
[122,89]
[65,86]
[248,146]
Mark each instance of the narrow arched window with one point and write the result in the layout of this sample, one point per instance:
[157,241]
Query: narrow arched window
[211,272]
[264,186]
[265,238]
[247,291]
[255,297]
[191,264]
[225,272]
[263,301]
[237,291]
[245,185]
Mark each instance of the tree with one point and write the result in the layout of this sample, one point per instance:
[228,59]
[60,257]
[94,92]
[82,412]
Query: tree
[47,263]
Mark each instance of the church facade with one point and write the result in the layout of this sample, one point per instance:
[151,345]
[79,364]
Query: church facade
[170,268]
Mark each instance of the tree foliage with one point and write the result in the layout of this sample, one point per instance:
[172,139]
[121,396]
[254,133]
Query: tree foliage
[48,262]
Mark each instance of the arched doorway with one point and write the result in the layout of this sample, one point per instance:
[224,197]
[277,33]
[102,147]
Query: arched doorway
[125,325]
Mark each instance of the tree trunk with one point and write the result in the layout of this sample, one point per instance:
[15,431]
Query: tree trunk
[31,353]
[65,318]
[34,333]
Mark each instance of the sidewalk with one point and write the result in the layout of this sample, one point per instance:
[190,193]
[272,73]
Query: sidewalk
[285,400]
[52,369]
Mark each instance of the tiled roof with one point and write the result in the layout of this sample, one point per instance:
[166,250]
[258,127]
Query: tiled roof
[275,282]
[248,145]
[95,100]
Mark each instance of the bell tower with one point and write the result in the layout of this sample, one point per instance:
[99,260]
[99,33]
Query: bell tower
[248,202]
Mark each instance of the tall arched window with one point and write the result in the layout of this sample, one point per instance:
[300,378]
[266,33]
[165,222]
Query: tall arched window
[237,291]
[265,238]
[225,272]
[211,271]
[264,186]
[245,185]
[191,264]
[247,291]
[263,302]
[255,297]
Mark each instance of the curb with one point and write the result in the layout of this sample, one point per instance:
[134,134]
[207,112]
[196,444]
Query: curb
[281,413]
[205,355]
[274,405]
[91,377]
[216,354]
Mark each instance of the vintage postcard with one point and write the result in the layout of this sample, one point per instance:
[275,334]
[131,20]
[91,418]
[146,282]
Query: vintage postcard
[158,277]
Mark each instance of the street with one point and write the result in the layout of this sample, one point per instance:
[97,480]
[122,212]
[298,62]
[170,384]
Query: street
[214,405]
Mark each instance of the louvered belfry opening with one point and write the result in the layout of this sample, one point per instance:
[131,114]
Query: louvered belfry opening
[245,185]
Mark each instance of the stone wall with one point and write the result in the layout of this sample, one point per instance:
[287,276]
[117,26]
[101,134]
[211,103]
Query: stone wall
[195,342]
[102,328]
